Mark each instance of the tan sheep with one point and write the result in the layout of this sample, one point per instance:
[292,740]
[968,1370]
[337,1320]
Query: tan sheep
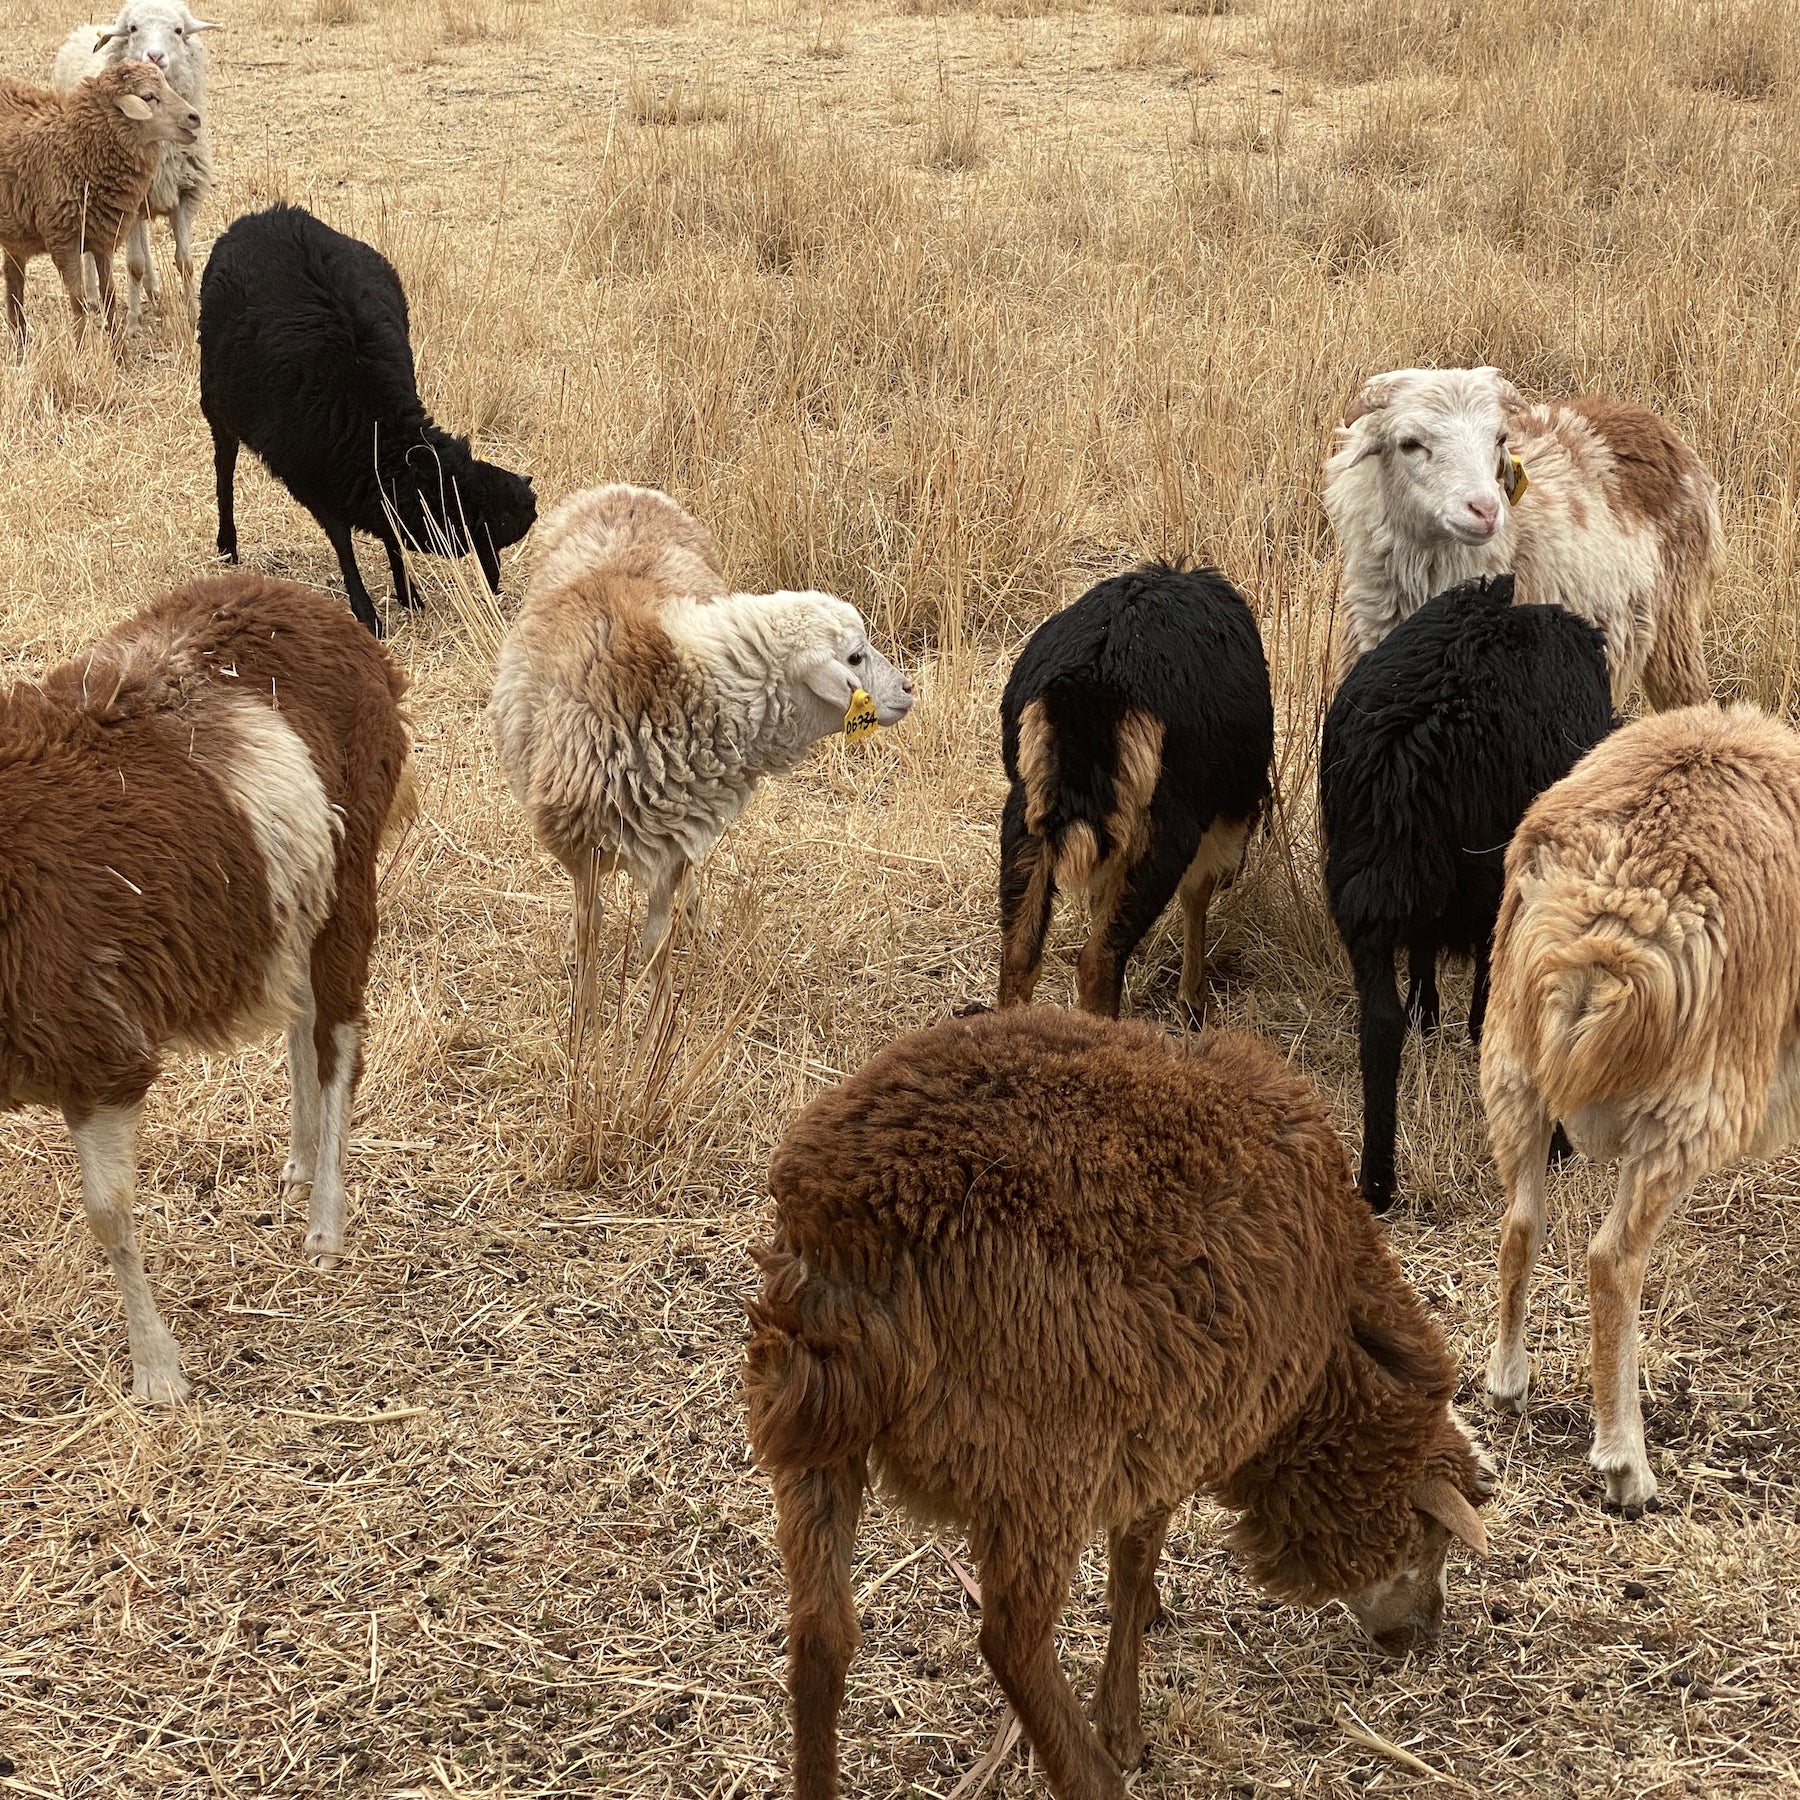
[1050,1273]
[1646,992]
[75,170]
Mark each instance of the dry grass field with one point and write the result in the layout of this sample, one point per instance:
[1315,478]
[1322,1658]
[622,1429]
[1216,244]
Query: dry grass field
[949,308]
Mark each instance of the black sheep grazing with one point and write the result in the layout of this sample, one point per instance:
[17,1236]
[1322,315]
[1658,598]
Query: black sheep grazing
[306,356]
[1437,742]
[1137,730]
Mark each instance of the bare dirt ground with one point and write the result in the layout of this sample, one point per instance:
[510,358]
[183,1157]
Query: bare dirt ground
[948,309]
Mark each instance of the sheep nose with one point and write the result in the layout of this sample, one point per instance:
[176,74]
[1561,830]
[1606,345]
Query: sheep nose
[906,684]
[1486,511]
[159,57]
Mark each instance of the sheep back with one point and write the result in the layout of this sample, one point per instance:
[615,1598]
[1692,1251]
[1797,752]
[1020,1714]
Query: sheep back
[1436,743]
[233,747]
[1052,1269]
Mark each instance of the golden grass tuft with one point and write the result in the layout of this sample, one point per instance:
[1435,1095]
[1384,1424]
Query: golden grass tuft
[1013,292]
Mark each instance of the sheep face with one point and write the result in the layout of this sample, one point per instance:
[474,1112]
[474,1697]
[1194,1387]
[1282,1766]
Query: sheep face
[154,31]
[1440,437]
[143,96]
[449,503]
[838,659]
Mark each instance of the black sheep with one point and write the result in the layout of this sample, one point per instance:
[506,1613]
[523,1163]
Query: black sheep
[305,355]
[1437,742]
[1137,730]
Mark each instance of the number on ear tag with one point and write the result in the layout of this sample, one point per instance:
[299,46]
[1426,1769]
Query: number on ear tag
[1516,483]
[860,721]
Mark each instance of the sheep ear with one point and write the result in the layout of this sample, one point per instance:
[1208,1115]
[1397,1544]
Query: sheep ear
[134,108]
[1511,400]
[106,36]
[1440,1498]
[830,679]
[204,25]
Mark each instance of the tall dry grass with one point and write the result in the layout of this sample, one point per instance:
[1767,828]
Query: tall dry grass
[951,308]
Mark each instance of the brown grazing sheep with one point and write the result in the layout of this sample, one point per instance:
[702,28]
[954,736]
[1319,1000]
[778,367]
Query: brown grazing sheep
[1052,1273]
[1646,991]
[75,170]
[190,813]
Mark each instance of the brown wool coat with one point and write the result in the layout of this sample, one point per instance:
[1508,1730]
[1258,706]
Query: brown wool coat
[1056,1272]
[136,912]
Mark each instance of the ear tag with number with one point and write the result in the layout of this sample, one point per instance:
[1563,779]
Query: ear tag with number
[1516,483]
[860,721]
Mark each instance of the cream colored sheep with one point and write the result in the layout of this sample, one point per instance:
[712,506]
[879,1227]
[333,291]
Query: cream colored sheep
[638,700]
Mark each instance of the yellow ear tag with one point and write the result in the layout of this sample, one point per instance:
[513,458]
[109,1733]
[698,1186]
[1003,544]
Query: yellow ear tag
[860,721]
[1516,483]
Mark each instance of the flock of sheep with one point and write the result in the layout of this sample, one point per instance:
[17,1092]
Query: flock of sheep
[1041,1271]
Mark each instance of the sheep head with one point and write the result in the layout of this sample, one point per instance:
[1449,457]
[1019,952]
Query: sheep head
[449,502]
[140,93]
[162,32]
[1441,438]
[832,658]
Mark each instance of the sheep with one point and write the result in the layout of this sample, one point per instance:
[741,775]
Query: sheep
[638,701]
[1137,730]
[1051,1272]
[305,355]
[163,32]
[1435,745]
[1440,475]
[74,171]
[190,812]
[1647,993]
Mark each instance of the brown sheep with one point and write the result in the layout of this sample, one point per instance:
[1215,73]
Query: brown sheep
[1053,1273]
[1646,992]
[75,170]
[190,812]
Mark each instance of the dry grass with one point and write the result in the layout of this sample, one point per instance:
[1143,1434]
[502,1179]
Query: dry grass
[948,307]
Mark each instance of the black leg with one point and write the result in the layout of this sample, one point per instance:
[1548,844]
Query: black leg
[1422,1004]
[225,455]
[1381,1035]
[1478,999]
[403,588]
[1122,912]
[1027,890]
[360,603]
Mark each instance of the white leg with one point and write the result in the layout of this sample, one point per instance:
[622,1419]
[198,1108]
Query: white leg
[106,1146]
[137,266]
[303,1077]
[183,222]
[661,910]
[325,1210]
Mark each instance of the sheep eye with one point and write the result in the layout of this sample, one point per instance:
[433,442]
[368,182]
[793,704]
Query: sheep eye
[856,660]
[1409,445]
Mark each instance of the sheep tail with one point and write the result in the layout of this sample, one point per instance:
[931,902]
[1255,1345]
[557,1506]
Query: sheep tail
[823,1371]
[1085,812]
[1607,988]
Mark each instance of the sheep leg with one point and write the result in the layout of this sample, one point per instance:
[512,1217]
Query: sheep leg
[816,1513]
[1124,904]
[69,265]
[1519,1129]
[360,603]
[1196,896]
[106,1147]
[1131,1593]
[1020,1599]
[140,267]
[1478,994]
[660,912]
[1381,1036]
[303,1079]
[1027,890]
[404,591]
[1423,1006]
[1617,1259]
[225,455]
[1675,670]
[15,297]
[181,222]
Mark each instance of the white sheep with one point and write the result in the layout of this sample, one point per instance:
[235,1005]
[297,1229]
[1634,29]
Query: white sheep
[1438,476]
[165,33]
[638,701]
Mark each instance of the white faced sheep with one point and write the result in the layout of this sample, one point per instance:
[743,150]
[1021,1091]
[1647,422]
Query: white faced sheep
[74,171]
[1137,729]
[190,813]
[1442,475]
[1646,991]
[1049,1274]
[638,701]
[165,33]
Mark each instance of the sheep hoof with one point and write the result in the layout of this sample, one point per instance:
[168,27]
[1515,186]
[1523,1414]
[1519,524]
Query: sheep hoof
[1508,1378]
[162,1386]
[323,1252]
[1630,1487]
